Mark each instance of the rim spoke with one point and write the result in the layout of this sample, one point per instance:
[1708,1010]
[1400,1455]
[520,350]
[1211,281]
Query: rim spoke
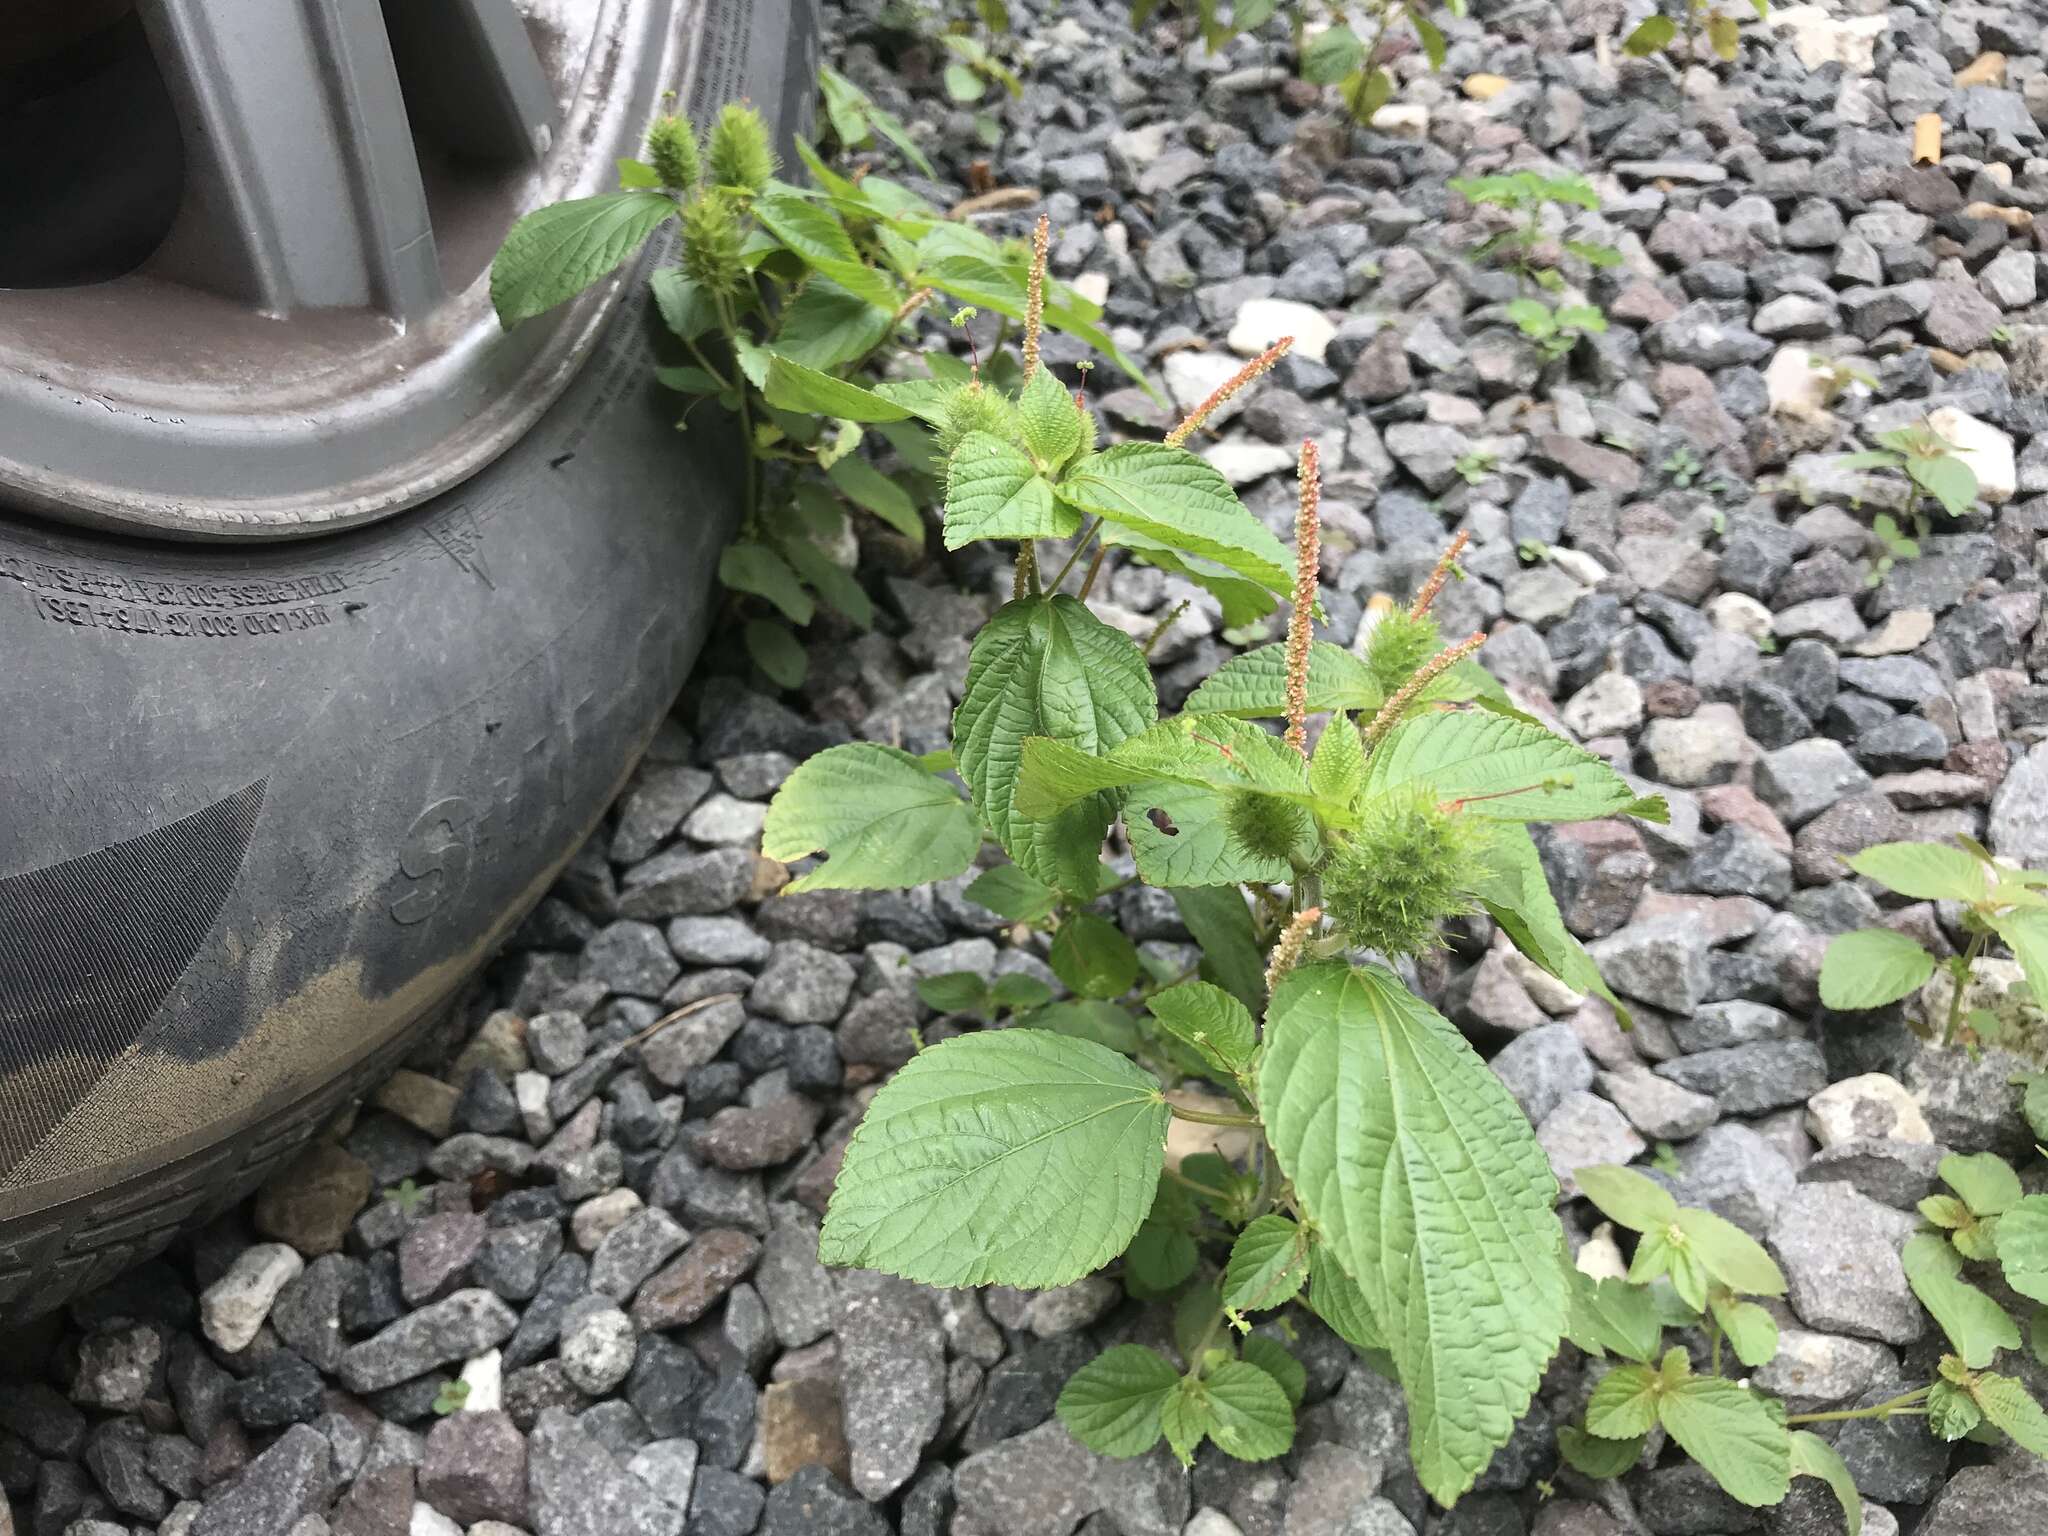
[490,99]
[302,186]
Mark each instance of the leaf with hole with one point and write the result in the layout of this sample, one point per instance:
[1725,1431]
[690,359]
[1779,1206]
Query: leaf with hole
[882,822]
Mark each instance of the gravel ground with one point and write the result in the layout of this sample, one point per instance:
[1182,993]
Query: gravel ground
[610,1236]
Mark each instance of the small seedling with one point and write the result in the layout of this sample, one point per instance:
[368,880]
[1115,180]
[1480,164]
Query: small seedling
[452,1397]
[1870,967]
[1555,331]
[1475,465]
[406,1195]
[1683,466]
[1533,552]
[1722,31]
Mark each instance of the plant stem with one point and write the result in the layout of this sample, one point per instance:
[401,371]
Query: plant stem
[1187,1183]
[1959,980]
[1905,1402]
[705,363]
[1094,570]
[1209,1117]
[731,325]
[1159,630]
[1087,538]
[1202,1344]
[1714,1344]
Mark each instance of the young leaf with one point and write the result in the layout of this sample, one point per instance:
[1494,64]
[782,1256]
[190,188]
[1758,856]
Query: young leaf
[1595,1457]
[1171,495]
[1010,892]
[2009,1406]
[866,486]
[556,252]
[1268,1265]
[1111,1405]
[1204,752]
[1054,428]
[882,822]
[1925,871]
[1336,770]
[1222,925]
[1092,956]
[686,309]
[1724,37]
[1948,479]
[2026,934]
[1507,769]
[1271,1356]
[815,234]
[757,569]
[1751,1330]
[1249,1414]
[1624,1403]
[1730,1254]
[1254,684]
[1814,1457]
[1331,55]
[1652,34]
[1427,1182]
[1163,1254]
[1727,1429]
[1871,967]
[792,386]
[1627,1198]
[1018,991]
[993,491]
[836,587]
[825,327]
[1976,1325]
[1951,1412]
[1985,1181]
[1335,1297]
[1185,1418]
[1516,893]
[1215,1025]
[2023,1247]
[1016,1157]
[1046,667]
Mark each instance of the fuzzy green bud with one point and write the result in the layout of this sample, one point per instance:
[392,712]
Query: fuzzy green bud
[711,243]
[1410,866]
[672,150]
[975,408]
[739,152]
[1399,644]
[1269,827]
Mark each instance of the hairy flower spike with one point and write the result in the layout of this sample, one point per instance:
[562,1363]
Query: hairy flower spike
[739,152]
[1287,953]
[1391,712]
[1440,575]
[1308,560]
[1263,363]
[1034,294]
[711,243]
[672,149]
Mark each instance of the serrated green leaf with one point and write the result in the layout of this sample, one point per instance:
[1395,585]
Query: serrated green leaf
[2023,1247]
[1268,1265]
[1111,1405]
[1366,92]
[1503,768]
[1271,1356]
[880,819]
[792,386]
[1019,991]
[1595,1457]
[1871,967]
[993,491]
[1088,1018]
[973,277]
[1163,1254]
[1336,769]
[1624,1402]
[1185,1418]
[1516,893]
[826,327]
[2008,1405]
[1046,668]
[954,992]
[1011,892]
[776,651]
[1094,959]
[1212,1023]
[556,252]
[1951,1412]
[836,588]
[1206,752]
[1945,1211]
[1751,1330]
[1730,1254]
[1243,602]
[1627,1198]
[1178,498]
[1728,1431]
[1249,1414]
[757,569]
[1336,1298]
[1928,871]
[1948,479]
[1222,925]
[1613,1315]
[1331,55]
[1179,837]
[1977,1326]
[1814,1457]
[1054,428]
[684,306]
[815,235]
[866,486]
[1016,1157]
[1984,1180]
[1429,1186]
[929,400]
[1254,684]
[2026,934]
